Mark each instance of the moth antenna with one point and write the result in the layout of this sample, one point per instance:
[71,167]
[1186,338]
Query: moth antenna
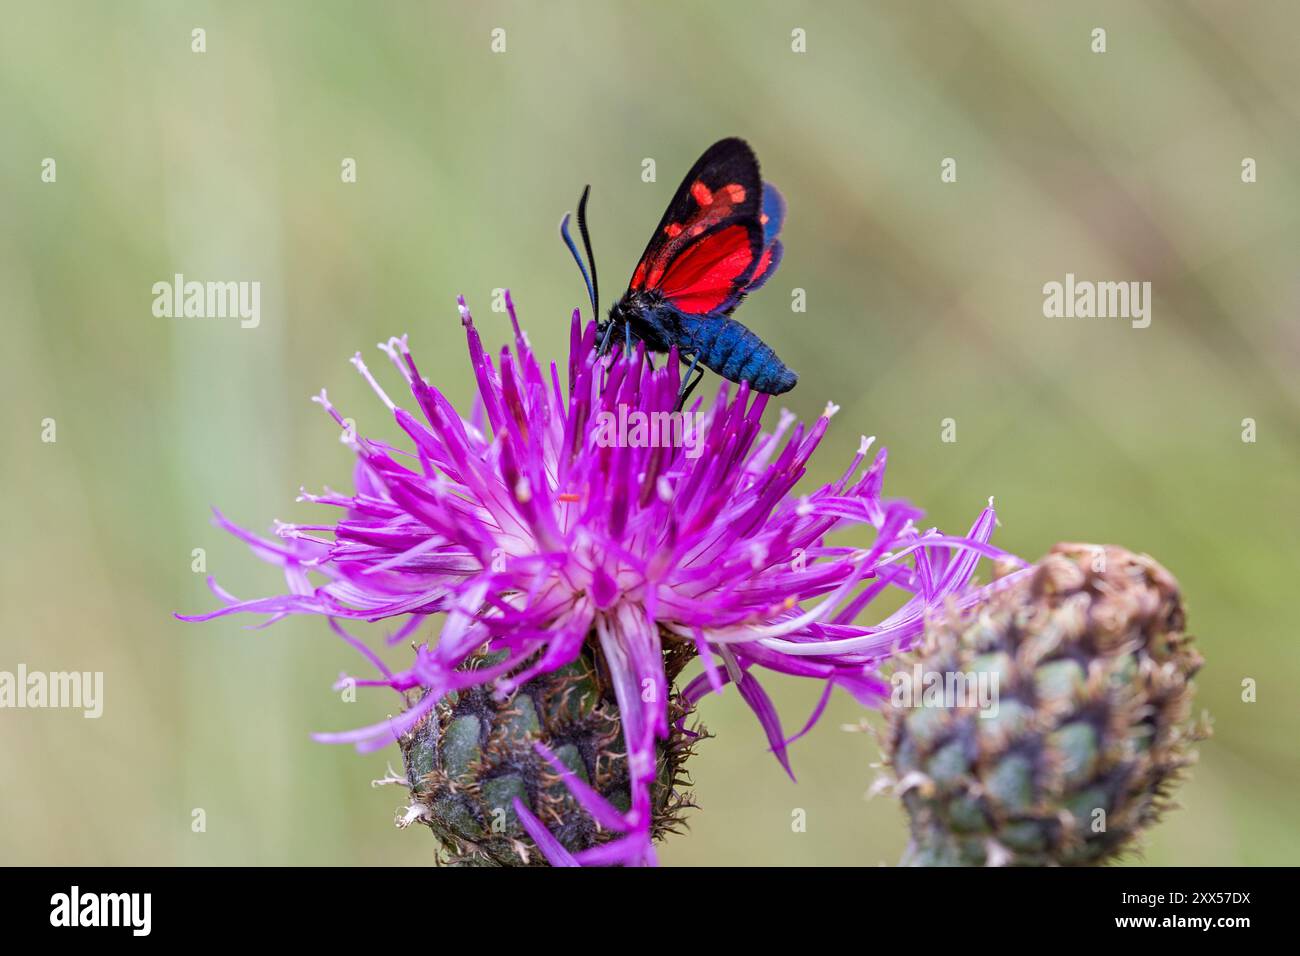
[587,277]
[591,257]
[573,251]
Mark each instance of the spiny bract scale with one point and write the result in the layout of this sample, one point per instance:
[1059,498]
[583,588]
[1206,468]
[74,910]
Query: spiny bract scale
[1092,724]
[473,755]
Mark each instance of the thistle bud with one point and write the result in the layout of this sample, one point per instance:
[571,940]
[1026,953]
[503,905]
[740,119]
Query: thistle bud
[473,755]
[1085,733]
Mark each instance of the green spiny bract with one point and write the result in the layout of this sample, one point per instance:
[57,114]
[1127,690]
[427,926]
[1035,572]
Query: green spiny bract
[1091,728]
[472,755]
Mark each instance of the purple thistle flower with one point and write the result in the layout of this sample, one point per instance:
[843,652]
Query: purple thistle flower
[533,534]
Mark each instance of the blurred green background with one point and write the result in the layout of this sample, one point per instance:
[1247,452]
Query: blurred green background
[924,303]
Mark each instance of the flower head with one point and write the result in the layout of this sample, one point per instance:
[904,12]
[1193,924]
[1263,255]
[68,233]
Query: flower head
[537,526]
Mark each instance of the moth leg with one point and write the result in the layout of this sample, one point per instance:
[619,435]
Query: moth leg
[604,343]
[627,339]
[687,385]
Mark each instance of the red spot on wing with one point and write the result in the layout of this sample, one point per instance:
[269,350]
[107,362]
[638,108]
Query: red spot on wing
[701,193]
[704,276]
[673,230]
[767,263]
